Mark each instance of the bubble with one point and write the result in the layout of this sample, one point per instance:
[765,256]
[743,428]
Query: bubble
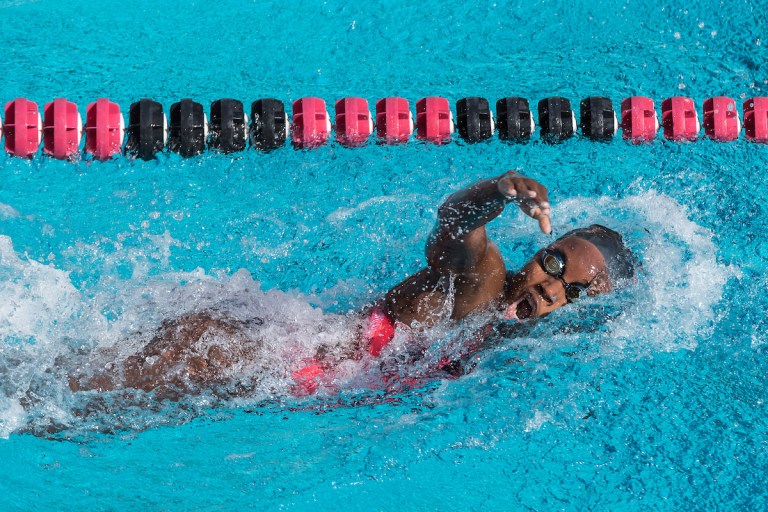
[677,35]
[12,416]
[537,421]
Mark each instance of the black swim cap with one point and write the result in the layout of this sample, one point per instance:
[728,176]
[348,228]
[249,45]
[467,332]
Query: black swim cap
[619,259]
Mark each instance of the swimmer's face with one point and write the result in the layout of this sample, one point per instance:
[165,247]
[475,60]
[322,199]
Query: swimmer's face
[566,271]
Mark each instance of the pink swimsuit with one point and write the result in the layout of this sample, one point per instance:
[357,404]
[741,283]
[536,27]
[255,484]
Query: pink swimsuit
[379,331]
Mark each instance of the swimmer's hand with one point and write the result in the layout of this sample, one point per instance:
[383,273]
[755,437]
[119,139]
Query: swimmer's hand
[530,195]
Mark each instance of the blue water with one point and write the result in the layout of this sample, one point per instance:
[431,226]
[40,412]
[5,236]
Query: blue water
[661,408]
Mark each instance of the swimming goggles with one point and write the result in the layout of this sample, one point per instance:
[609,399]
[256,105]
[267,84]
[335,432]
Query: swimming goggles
[554,265]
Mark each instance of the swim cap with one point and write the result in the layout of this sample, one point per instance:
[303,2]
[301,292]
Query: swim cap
[619,259]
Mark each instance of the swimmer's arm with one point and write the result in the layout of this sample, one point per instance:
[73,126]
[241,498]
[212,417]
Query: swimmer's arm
[459,239]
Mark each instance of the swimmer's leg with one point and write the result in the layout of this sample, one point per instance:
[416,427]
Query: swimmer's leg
[182,356]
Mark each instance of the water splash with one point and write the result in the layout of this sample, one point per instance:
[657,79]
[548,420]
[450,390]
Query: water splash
[52,329]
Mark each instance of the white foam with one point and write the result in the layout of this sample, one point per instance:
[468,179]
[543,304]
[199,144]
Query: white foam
[539,419]
[12,416]
[681,280]
[8,211]
[34,297]
[342,214]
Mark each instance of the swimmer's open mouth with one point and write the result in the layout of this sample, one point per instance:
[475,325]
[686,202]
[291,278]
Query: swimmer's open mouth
[525,307]
[522,309]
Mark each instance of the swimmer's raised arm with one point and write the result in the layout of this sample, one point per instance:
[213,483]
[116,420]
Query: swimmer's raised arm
[459,241]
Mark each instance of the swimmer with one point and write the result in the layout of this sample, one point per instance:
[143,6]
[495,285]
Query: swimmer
[465,274]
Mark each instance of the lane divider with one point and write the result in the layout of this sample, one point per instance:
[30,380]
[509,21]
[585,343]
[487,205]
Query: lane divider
[23,128]
[104,129]
[756,119]
[190,131]
[354,122]
[516,122]
[394,121]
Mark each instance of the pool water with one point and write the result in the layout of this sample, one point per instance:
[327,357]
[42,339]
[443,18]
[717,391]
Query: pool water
[652,398]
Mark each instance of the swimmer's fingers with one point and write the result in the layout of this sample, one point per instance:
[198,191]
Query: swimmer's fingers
[531,195]
[544,223]
[517,186]
[539,211]
[511,185]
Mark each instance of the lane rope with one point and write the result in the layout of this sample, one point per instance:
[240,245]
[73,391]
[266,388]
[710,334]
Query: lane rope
[191,131]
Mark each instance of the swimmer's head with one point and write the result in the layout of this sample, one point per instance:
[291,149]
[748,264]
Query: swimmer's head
[583,262]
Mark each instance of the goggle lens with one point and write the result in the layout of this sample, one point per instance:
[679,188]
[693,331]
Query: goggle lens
[553,264]
[573,292]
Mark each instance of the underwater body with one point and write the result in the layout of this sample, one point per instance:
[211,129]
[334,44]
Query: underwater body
[649,398]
